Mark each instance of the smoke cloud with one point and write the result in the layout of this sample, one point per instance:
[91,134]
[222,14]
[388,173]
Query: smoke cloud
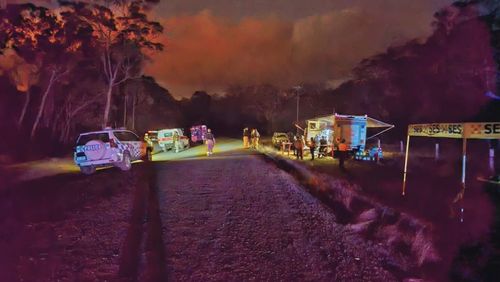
[22,75]
[210,52]
[212,44]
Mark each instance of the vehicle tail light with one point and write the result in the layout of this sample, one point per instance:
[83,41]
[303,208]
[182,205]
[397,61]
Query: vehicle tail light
[112,143]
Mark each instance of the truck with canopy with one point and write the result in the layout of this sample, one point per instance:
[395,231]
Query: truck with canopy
[352,128]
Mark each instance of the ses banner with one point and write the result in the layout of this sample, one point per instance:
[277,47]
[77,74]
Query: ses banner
[473,130]
[444,130]
[482,130]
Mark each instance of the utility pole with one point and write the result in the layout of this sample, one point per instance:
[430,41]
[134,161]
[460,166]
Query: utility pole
[297,92]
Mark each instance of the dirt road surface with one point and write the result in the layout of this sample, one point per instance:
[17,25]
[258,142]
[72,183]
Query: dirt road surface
[235,217]
[231,216]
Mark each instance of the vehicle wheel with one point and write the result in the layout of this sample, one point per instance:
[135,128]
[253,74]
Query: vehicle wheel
[87,170]
[126,163]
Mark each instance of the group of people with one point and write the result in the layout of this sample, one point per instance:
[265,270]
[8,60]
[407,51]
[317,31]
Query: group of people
[251,138]
[299,143]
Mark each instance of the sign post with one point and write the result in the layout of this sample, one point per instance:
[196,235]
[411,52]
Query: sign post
[406,163]
[464,159]
[436,152]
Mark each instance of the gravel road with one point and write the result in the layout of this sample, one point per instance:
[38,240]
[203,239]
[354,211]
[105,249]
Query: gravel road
[236,217]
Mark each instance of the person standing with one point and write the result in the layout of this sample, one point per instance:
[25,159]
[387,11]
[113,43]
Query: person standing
[245,138]
[176,140]
[342,154]
[323,147]
[256,139]
[299,146]
[312,147]
[252,138]
[210,141]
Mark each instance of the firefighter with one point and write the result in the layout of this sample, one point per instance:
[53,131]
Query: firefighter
[246,136]
[312,147]
[176,139]
[342,153]
[299,146]
[255,139]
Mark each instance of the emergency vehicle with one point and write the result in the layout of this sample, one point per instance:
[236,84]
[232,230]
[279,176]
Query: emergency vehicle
[352,128]
[278,138]
[109,147]
[166,139]
[198,133]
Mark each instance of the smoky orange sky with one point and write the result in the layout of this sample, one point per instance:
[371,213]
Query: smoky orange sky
[211,44]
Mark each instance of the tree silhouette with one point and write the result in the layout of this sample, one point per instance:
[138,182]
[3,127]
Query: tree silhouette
[121,33]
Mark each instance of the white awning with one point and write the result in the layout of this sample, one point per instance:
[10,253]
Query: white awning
[374,123]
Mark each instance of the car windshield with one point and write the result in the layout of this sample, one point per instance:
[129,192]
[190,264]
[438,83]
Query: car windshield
[84,138]
[282,135]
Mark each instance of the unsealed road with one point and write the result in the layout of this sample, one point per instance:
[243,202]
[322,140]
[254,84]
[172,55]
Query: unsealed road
[232,216]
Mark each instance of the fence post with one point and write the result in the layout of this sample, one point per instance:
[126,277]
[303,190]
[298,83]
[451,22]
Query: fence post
[436,152]
[491,161]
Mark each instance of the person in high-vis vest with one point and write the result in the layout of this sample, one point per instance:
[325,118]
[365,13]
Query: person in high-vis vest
[312,147]
[246,136]
[342,153]
[299,146]
[255,135]
[177,142]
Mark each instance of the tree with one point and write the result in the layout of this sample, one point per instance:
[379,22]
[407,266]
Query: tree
[122,32]
[41,39]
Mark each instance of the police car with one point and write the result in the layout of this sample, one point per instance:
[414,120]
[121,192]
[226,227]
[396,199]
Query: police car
[116,147]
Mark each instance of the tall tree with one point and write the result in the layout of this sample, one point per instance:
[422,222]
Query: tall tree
[39,37]
[122,33]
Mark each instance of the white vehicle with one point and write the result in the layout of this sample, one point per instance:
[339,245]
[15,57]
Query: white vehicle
[116,147]
[353,129]
[166,139]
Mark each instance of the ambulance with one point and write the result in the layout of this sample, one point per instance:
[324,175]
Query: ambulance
[166,139]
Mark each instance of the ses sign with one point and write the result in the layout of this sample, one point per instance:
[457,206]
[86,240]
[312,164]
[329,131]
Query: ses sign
[480,130]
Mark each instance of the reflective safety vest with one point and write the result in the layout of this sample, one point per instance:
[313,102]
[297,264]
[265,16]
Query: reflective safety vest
[342,147]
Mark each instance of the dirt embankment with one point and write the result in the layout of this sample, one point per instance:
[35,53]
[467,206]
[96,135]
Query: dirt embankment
[367,199]
[74,227]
